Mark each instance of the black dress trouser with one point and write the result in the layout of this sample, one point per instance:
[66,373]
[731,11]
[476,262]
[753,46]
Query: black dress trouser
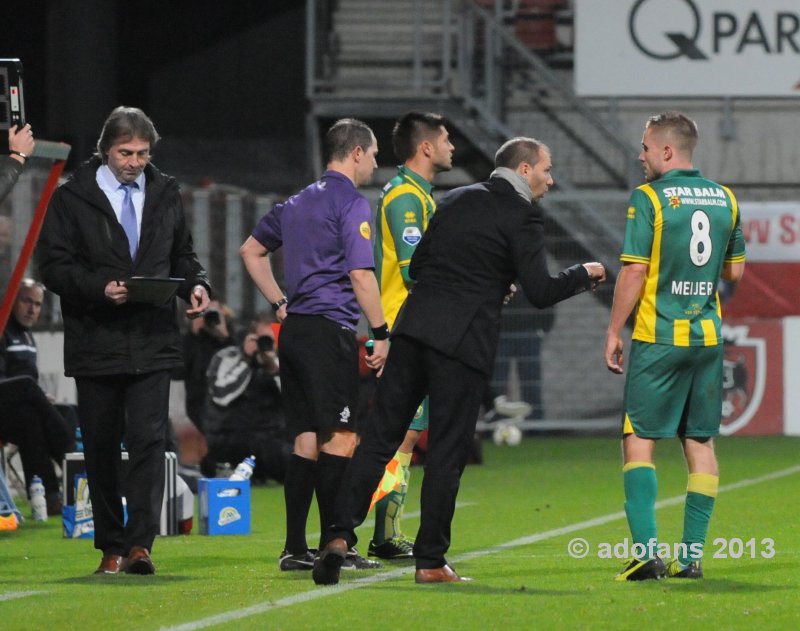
[133,409]
[413,370]
[32,423]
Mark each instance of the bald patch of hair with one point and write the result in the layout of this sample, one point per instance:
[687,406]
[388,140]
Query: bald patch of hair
[518,150]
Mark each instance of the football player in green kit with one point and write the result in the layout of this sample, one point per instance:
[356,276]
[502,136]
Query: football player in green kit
[421,141]
[682,235]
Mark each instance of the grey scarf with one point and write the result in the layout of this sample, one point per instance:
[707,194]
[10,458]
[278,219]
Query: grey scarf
[519,183]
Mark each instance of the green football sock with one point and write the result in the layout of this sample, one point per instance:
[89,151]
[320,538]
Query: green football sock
[389,509]
[641,488]
[700,495]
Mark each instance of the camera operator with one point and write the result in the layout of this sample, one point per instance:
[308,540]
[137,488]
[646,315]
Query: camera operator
[205,337]
[244,413]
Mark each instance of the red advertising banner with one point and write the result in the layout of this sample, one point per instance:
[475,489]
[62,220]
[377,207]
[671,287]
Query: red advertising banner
[769,288]
[753,392]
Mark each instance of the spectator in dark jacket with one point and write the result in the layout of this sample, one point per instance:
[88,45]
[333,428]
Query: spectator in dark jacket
[20,146]
[28,419]
[205,336]
[245,410]
[118,217]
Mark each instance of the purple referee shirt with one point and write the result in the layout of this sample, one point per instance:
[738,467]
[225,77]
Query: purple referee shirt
[325,231]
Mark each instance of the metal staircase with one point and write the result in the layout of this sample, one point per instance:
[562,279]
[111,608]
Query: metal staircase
[380,59]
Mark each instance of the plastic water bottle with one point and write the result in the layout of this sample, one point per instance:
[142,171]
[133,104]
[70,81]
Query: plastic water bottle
[38,503]
[244,469]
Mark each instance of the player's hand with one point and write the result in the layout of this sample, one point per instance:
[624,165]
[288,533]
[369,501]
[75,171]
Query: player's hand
[512,291]
[378,357]
[199,301]
[281,313]
[116,292]
[597,273]
[614,356]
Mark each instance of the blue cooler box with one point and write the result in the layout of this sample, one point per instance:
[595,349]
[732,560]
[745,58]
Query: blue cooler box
[224,506]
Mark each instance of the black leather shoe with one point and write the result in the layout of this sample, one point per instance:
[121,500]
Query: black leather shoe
[328,565]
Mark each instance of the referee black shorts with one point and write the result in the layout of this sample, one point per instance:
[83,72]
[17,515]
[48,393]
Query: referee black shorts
[319,374]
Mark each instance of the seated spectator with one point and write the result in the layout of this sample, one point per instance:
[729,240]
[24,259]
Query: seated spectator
[29,419]
[245,410]
[205,336]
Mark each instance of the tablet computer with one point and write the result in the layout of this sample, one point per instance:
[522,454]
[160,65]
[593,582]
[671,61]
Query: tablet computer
[155,291]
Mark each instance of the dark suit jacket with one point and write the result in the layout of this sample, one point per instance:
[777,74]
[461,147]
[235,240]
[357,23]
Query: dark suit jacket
[480,240]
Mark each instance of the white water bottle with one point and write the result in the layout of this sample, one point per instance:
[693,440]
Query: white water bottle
[38,503]
[244,469]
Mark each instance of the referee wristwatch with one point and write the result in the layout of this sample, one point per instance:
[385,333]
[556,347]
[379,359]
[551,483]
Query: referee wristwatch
[279,304]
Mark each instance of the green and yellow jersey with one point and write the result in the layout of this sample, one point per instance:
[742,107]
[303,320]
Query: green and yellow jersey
[404,210]
[684,227]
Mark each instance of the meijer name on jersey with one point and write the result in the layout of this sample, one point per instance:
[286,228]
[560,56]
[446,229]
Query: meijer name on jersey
[692,288]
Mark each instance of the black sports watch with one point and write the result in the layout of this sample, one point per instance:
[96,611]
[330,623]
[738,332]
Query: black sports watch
[279,304]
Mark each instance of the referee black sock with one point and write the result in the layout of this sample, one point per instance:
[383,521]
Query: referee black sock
[298,489]
[330,471]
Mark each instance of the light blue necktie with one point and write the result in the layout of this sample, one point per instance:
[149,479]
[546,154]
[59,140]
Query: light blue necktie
[128,219]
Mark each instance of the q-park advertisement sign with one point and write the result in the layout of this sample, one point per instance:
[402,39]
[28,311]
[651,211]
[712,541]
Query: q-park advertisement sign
[687,48]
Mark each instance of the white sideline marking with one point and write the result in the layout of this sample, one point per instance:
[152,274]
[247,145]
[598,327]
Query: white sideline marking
[322,592]
[13,595]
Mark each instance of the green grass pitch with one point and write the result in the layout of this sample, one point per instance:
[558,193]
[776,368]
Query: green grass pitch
[517,513]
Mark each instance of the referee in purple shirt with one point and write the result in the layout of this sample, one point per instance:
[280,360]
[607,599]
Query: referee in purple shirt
[325,231]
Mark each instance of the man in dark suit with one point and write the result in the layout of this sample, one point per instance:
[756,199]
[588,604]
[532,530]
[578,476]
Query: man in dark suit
[117,217]
[481,238]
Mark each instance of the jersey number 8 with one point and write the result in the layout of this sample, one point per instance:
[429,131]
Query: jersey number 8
[700,244]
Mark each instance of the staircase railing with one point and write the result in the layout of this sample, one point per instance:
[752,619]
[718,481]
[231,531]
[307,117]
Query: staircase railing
[476,59]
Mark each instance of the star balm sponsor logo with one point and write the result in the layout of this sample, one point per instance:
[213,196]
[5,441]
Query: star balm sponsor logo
[411,235]
[744,368]
[365,230]
[674,201]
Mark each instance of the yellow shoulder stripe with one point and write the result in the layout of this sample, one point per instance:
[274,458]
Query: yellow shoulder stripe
[403,189]
[734,205]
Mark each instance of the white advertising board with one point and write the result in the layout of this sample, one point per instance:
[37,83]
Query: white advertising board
[687,48]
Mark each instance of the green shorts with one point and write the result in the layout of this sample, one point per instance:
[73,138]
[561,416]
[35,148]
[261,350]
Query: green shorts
[673,390]
[420,421]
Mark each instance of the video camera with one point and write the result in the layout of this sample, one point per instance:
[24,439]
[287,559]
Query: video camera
[211,318]
[265,343]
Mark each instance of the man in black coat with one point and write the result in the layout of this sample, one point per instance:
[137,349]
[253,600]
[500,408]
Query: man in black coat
[481,238]
[118,217]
